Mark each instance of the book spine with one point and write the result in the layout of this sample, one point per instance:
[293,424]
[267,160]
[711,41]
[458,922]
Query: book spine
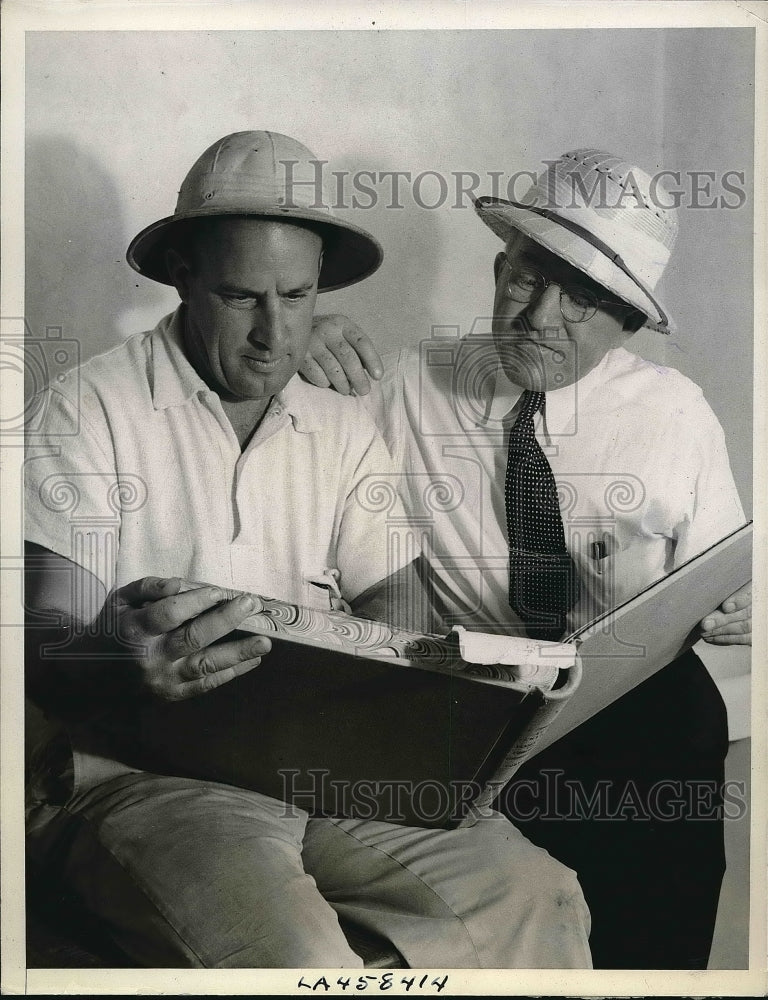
[525,743]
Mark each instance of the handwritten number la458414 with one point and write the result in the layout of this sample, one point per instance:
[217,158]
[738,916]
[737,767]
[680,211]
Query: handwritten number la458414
[377,982]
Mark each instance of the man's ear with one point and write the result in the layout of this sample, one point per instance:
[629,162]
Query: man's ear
[498,263]
[634,321]
[178,271]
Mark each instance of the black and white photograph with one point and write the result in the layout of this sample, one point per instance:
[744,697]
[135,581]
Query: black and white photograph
[384,405]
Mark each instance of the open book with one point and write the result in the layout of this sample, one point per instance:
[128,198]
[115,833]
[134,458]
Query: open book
[352,717]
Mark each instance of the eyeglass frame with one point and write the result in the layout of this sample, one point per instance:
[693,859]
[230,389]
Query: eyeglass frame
[586,292]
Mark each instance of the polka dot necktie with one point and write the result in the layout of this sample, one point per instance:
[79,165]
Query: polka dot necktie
[543,584]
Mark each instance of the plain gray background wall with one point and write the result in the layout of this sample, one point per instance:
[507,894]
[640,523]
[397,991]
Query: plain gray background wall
[115,119]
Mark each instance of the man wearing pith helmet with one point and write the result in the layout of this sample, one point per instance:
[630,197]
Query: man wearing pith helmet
[194,453]
[587,474]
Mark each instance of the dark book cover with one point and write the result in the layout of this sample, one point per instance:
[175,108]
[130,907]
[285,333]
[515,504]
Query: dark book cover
[339,735]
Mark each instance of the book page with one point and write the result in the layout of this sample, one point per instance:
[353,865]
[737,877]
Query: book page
[623,648]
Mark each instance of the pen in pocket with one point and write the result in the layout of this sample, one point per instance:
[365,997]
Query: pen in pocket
[598,551]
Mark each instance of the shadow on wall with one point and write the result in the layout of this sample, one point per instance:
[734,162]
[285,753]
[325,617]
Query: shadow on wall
[414,241]
[76,274]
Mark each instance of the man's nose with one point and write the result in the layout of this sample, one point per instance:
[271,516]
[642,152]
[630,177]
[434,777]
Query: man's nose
[544,312]
[268,329]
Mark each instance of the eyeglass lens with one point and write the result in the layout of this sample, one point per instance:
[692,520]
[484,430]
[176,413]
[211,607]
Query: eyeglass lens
[577,304]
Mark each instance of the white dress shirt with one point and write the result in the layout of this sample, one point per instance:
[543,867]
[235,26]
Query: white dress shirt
[638,456]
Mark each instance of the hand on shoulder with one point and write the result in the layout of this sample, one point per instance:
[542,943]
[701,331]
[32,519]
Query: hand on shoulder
[341,356]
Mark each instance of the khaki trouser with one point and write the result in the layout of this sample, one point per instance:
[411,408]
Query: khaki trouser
[190,873]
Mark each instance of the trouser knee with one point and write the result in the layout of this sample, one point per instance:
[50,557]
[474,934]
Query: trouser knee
[558,892]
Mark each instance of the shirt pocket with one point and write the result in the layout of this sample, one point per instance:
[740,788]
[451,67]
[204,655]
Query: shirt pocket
[612,576]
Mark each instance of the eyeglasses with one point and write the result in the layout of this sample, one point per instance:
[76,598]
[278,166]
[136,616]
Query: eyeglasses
[577,304]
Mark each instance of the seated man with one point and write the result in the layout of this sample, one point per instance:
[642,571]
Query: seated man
[194,451]
[547,403]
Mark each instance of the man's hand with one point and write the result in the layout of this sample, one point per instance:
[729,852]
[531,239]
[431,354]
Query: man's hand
[87,653]
[176,636]
[731,623]
[341,355]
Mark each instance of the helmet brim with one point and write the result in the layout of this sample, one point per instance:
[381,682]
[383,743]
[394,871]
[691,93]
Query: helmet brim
[350,254]
[504,217]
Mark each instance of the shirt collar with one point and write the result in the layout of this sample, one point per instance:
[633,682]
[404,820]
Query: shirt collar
[296,400]
[175,381]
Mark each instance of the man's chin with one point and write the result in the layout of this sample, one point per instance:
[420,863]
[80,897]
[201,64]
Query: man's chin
[255,385]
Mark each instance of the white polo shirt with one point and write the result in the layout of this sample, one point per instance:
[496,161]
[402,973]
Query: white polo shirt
[137,471]
[638,456]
